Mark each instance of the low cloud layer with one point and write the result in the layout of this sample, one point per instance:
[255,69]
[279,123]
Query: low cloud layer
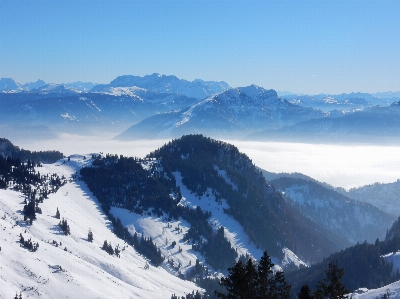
[339,165]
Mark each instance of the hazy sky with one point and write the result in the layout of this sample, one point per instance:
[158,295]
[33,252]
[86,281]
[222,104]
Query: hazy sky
[295,45]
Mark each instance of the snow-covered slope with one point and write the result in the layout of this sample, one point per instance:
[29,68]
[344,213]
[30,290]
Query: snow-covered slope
[389,291]
[76,267]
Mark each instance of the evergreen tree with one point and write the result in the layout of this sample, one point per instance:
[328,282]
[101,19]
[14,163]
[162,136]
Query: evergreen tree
[58,214]
[331,287]
[254,281]
[305,292]
[90,236]
[105,245]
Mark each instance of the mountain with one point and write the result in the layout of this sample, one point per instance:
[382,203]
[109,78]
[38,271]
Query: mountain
[236,113]
[32,85]
[383,196]
[216,177]
[54,109]
[167,84]
[337,213]
[39,260]
[80,86]
[345,102]
[374,124]
[8,84]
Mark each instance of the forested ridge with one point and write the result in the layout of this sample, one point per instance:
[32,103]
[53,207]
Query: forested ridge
[7,149]
[269,222]
[123,182]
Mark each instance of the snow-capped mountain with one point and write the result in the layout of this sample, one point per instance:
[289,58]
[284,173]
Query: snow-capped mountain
[237,112]
[54,109]
[167,84]
[374,124]
[337,213]
[80,86]
[344,102]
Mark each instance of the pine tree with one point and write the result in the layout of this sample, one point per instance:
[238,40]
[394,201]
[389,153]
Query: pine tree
[254,281]
[58,214]
[90,236]
[305,292]
[331,287]
[105,245]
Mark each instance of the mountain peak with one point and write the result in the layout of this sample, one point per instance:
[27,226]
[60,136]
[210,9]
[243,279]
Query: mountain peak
[198,89]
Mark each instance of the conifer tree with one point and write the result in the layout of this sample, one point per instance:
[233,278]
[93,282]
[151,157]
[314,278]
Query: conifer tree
[58,214]
[305,292]
[90,236]
[254,281]
[332,287]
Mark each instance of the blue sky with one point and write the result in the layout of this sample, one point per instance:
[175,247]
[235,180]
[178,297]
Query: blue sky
[296,45]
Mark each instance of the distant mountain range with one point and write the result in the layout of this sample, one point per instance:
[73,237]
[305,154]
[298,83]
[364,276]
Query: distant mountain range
[374,124]
[236,112]
[159,106]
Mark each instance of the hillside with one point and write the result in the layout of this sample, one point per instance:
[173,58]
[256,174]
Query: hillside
[383,196]
[337,213]
[66,265]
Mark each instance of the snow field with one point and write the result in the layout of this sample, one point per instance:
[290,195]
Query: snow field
[86,270]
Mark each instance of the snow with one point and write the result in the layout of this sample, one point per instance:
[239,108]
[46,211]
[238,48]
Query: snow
[393,290]
[87,270]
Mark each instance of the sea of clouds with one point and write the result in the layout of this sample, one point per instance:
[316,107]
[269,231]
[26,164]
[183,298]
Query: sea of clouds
[344,166]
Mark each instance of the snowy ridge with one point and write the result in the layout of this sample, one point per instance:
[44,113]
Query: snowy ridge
[85,269]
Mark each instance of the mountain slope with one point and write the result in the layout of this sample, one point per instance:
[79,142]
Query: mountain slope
[85,269]
[335,212]
[383,196]
[237,112]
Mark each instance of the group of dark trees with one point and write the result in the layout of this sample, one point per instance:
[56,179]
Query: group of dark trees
[28,244]
[363,264]
[254,281]
[109,249]
[63,224]
[22,176]
[258,280]
[24,155]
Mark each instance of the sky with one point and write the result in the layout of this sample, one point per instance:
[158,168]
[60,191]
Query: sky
[321,46]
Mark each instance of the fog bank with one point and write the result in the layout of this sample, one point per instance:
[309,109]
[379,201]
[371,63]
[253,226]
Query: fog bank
[344,166]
